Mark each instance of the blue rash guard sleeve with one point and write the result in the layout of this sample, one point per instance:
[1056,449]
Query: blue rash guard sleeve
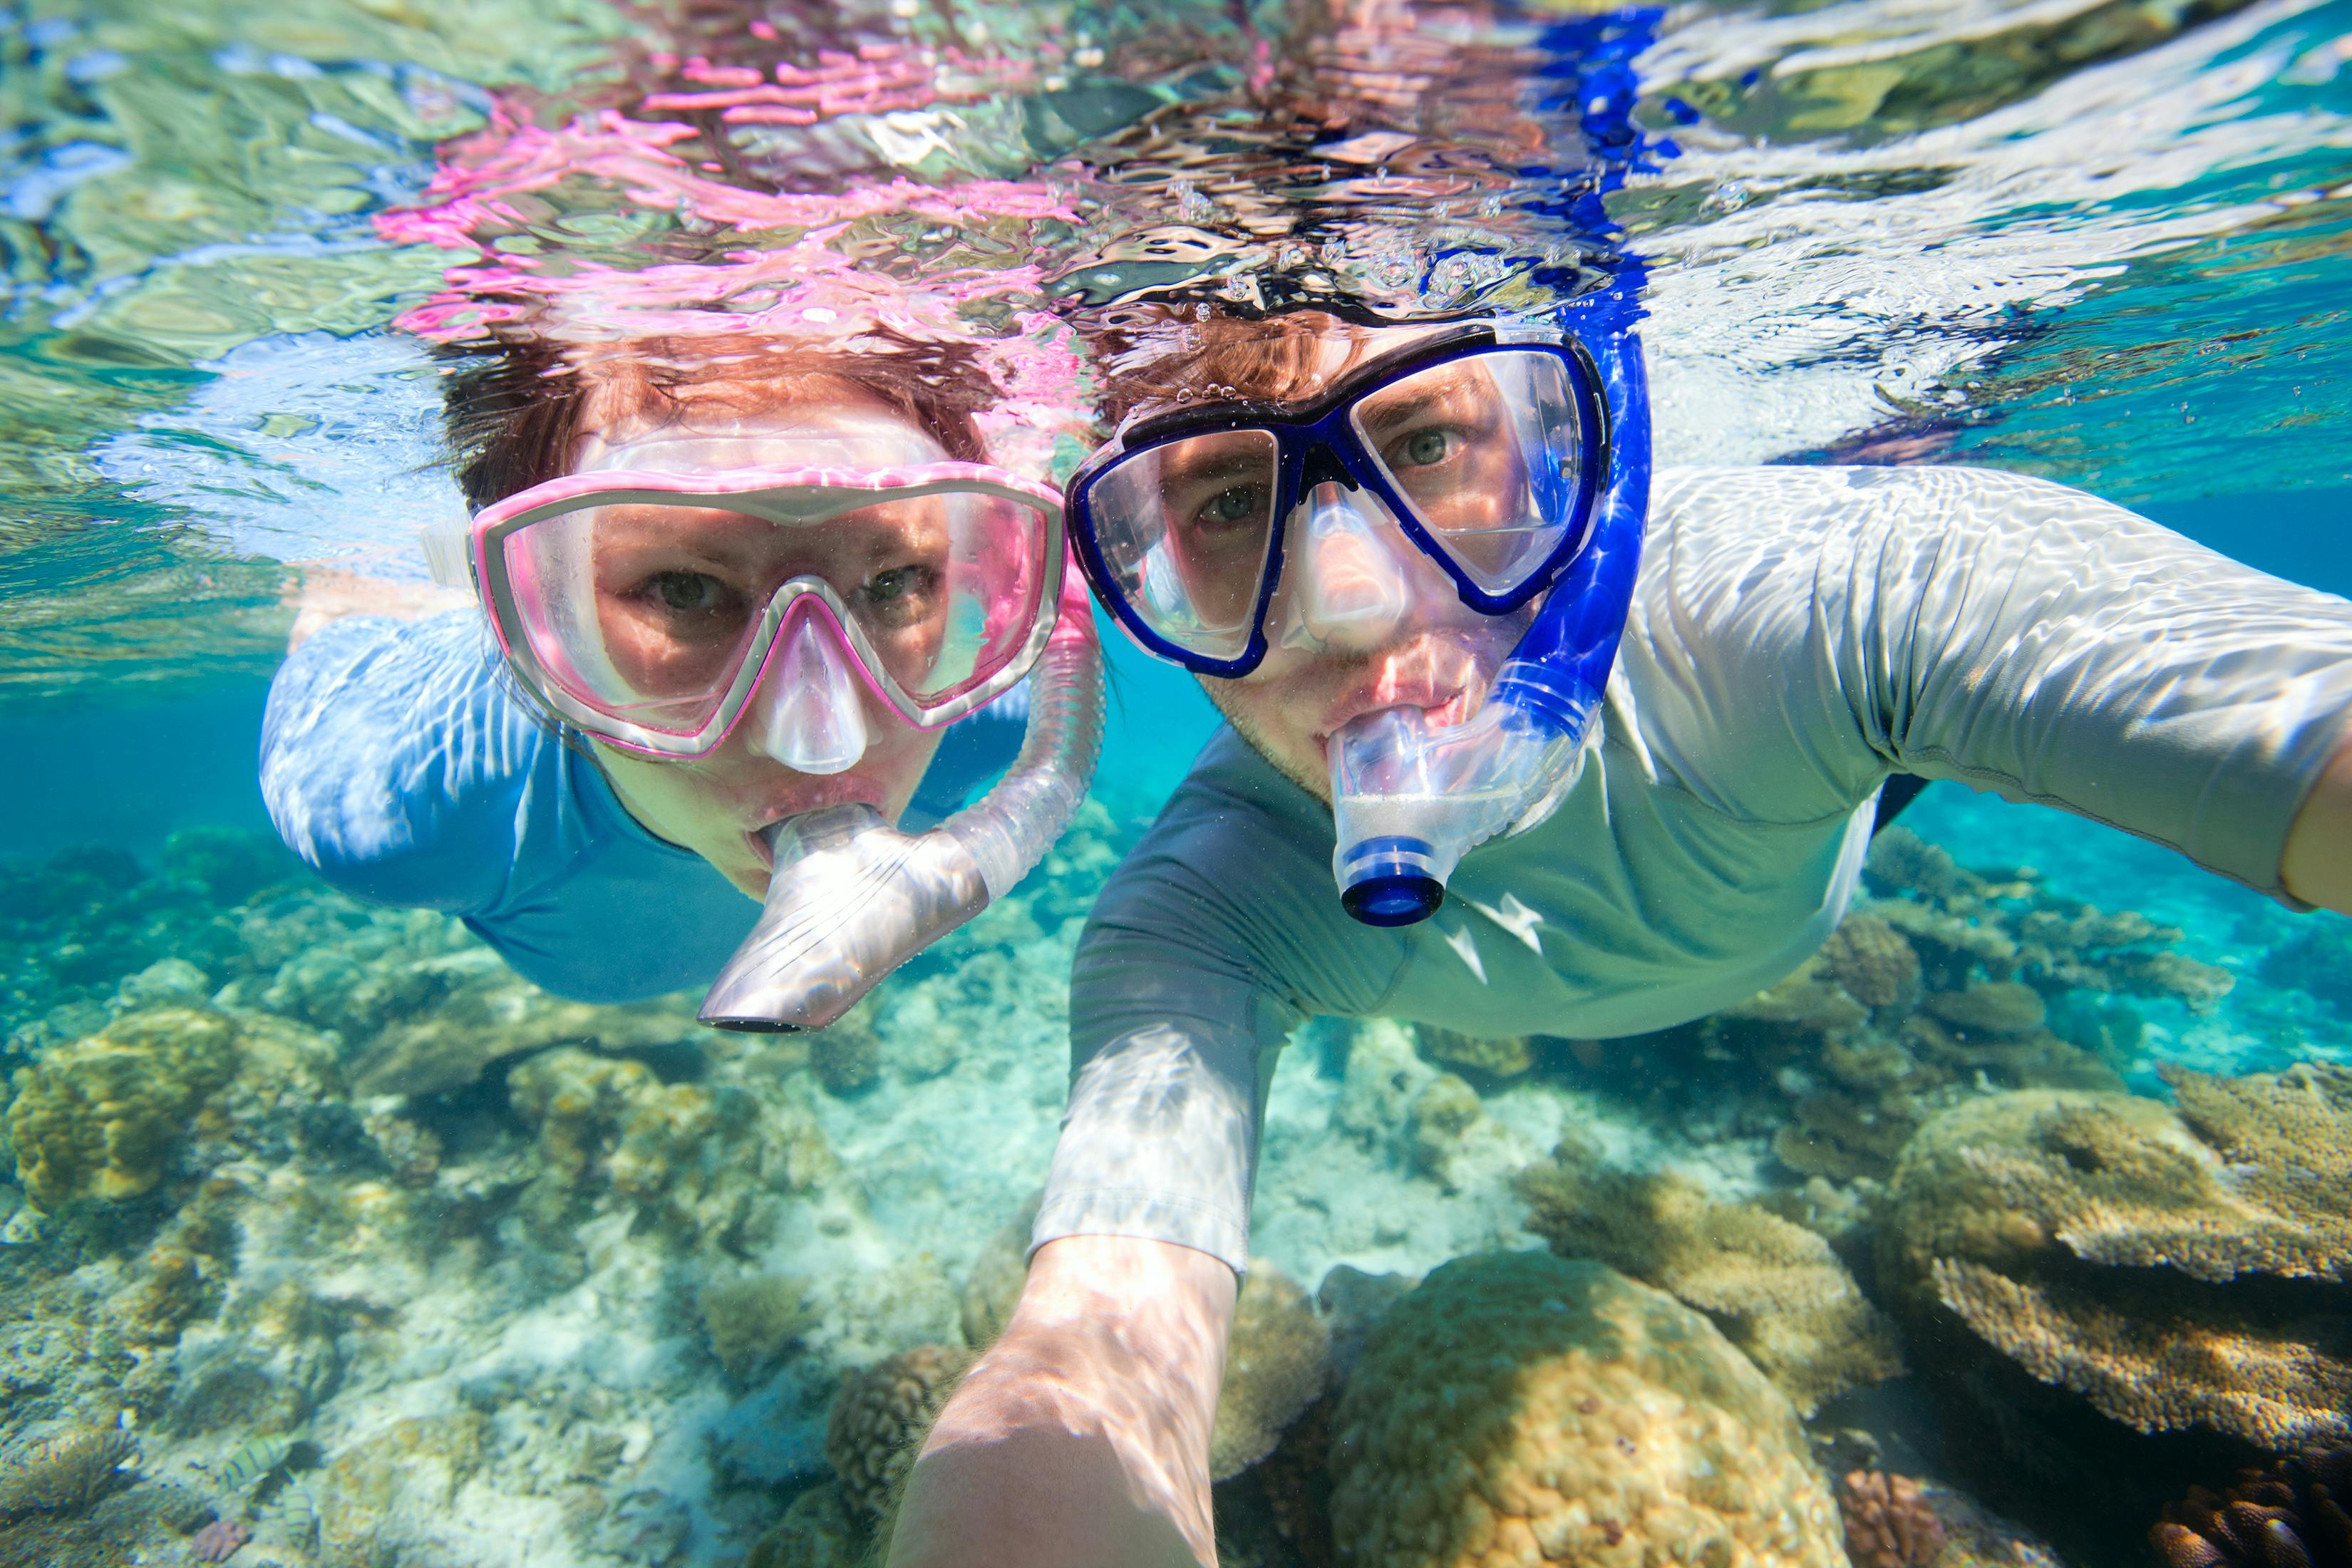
[396,760]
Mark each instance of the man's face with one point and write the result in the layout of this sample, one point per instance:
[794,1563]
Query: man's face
[1360,619]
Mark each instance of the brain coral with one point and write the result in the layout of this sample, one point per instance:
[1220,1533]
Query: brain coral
[1874,963]
[879,1417]
[99,1117]
[1773,1287]
[1519,1409]
[2104,1244]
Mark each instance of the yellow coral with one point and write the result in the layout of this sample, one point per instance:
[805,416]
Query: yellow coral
[1773,1287]
[2096,1239]
[1518,1410]
[1508,1057]
[100,1118]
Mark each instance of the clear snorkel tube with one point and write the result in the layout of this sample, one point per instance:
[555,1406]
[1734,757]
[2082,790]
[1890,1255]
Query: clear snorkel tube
[852,898]
[1409,800]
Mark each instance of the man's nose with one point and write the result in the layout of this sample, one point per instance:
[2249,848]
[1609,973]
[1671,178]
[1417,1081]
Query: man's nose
[808,713]
[1353,587]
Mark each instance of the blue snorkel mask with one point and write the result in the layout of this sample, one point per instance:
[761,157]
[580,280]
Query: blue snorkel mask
[1513,457]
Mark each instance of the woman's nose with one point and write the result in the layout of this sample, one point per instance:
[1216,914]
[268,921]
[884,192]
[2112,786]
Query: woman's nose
[1353,585]
[809,713]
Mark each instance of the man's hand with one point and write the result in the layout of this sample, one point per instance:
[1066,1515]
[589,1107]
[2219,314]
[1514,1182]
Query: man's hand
[1081,1440]
[2317,864]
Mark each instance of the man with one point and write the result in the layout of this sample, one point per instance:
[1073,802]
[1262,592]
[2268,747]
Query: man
[1792,638]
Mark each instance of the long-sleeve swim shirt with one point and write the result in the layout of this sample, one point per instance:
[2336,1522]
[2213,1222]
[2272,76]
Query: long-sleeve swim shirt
[398,759]
[1797,636]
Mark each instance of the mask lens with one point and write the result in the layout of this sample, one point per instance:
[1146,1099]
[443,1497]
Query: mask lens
[1184,528]
[646,611]
[1490,453]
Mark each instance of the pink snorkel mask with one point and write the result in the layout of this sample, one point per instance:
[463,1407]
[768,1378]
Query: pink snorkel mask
[661,609]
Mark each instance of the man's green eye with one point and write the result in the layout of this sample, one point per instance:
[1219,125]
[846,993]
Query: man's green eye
[1238,504]
[1425,447]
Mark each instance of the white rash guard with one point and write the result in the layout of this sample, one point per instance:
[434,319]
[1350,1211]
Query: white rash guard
[1797,635]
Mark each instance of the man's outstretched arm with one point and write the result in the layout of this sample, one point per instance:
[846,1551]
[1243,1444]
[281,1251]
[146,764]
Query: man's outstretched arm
[1081,1440]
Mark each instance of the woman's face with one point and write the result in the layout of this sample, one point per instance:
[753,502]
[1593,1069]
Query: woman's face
[677,591]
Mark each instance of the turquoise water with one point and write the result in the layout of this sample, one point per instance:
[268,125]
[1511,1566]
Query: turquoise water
[589,1295]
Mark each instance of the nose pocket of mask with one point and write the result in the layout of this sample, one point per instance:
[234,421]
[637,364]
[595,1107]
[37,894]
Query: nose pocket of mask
[812,717]
[1352,588]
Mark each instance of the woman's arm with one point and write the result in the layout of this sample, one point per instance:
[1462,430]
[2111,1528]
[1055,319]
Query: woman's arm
[1081,1440]
[2317,864]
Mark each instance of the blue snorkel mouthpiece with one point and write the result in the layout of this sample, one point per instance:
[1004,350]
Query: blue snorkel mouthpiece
[1409,798]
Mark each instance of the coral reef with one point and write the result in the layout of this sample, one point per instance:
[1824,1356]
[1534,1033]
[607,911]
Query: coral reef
[1520,1409]
[1504,1058]
[1889,1521]
[65,1472]
[2295,1514]
[100,1118]
[816,1531]
[1775,1289]
[2104,1246]
[752,1322]
[1872,962]
[1277,1362]
[846,1055]
[878,1420]
[2012,928]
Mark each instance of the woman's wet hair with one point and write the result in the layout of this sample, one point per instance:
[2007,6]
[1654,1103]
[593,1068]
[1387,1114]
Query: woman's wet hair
[516,410]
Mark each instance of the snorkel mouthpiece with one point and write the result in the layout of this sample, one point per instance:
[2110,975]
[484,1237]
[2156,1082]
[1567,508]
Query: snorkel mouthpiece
[1409,800]
[852,898]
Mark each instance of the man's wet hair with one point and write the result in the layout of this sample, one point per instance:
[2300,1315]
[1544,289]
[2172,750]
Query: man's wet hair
[1161,356]
[514,410]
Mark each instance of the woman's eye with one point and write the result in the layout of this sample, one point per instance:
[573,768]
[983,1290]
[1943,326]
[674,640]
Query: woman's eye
[688,593]
[1424,448]
[1228,507]
[899,586]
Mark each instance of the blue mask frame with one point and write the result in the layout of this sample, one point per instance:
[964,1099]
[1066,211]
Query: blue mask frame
[1317,443]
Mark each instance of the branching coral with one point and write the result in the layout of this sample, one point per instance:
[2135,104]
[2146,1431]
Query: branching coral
[2099,1243]
[2297,1514]
[1517,1409]
[64,1472]
[1277,1361]
[2013,928]
[100,1118]
[879,1417]
[1774,1288]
